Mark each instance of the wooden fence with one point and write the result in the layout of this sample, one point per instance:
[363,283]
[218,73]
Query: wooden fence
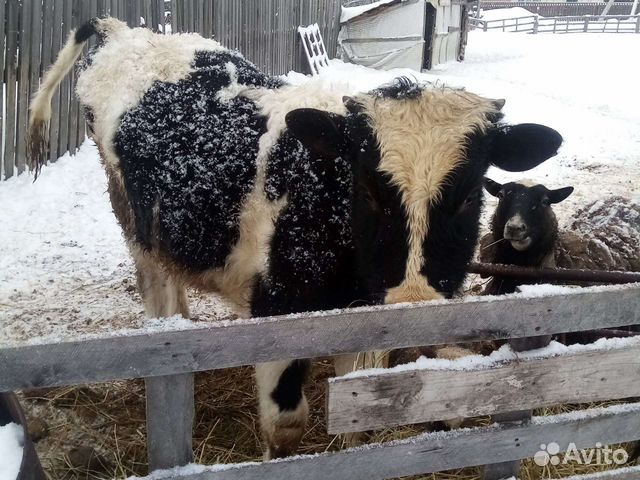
[383,397]
[573,24]
[33,31]
[562,9]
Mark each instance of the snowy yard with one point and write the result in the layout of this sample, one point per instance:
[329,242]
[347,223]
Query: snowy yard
[65,270]
[63,251]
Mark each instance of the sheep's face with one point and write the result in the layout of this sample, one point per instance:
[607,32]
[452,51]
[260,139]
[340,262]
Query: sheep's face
[524,216]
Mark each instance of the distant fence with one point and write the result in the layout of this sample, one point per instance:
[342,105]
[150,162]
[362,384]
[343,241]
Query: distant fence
[562,9]
[570,24]
[33,31]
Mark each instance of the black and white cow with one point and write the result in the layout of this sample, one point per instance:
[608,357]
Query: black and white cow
[282,198]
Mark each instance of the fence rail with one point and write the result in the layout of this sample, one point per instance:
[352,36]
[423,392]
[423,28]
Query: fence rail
[166,360]
[560,9]
[571,24]
[33,31]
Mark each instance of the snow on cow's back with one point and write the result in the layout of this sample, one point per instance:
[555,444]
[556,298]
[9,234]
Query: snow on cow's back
[123,68]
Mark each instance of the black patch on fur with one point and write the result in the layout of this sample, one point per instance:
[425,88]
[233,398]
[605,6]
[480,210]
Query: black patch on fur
[311,255]
[401,88]
[379,219]
[86,31]
[288,393]
[454,220]
[285,154]
[189,160]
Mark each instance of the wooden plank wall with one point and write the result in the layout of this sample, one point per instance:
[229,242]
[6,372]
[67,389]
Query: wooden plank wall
[265,31]
[32,32]
[31,35]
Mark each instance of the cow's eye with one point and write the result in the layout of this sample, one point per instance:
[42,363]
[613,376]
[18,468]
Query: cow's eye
[471,199]
[545,202]
[371,200]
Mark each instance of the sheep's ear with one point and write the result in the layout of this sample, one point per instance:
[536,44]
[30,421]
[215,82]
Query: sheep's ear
[317,130]
[556,196]
[516,148]
[492,187]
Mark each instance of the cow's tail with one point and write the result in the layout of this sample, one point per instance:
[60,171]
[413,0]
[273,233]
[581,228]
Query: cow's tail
[40,109]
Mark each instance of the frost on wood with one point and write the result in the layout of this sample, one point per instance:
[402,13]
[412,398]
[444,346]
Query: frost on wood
[499,357]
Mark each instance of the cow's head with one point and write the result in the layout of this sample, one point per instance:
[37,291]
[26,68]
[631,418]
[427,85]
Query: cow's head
[419,155]
[524,216]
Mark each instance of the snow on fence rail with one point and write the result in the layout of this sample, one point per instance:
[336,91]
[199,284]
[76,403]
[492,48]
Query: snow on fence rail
[571,24]
[167,359]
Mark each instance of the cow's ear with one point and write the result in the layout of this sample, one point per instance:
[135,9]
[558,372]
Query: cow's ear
[319,131]
[492,187]
[516,148]
[556,196]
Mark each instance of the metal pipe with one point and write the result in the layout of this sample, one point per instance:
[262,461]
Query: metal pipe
[553,274]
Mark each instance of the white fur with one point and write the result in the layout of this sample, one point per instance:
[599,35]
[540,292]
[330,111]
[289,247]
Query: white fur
[41,104]
[125,68]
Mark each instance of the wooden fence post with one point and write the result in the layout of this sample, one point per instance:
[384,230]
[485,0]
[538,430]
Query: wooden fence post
[170,413]
[498,471]
[535,24]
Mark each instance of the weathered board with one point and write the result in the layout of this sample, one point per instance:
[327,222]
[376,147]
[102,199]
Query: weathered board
[439,451]
[415,396]
[170,413]
[629,473]
[247,342]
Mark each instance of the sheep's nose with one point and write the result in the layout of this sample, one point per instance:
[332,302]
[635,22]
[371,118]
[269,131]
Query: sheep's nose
[515,229]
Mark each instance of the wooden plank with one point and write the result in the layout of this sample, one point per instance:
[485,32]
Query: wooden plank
[3,46]
[11,76]
[629,473]
[170,413]
[36,44]
[24,57]
[74,106]
[57,110]
[389,398]
[498,471]
[66,87]
[434,452]
[246,342]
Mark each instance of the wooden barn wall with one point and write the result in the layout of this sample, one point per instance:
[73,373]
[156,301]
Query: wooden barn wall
[33,31]
[265,31]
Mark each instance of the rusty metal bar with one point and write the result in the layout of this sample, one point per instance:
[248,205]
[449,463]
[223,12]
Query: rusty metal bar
[553,274]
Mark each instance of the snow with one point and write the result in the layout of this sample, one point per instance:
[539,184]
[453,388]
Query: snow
[349,13]
[65,271]
[11,444]
[606,474]
[502,356]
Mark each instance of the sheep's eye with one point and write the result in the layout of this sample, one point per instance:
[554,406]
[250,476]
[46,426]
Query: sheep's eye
[545,202]
[500,194]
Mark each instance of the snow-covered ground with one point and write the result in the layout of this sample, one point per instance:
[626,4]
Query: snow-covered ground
[62,249]
[11,441]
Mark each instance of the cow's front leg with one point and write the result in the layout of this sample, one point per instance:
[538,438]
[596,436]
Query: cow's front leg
[282,404]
